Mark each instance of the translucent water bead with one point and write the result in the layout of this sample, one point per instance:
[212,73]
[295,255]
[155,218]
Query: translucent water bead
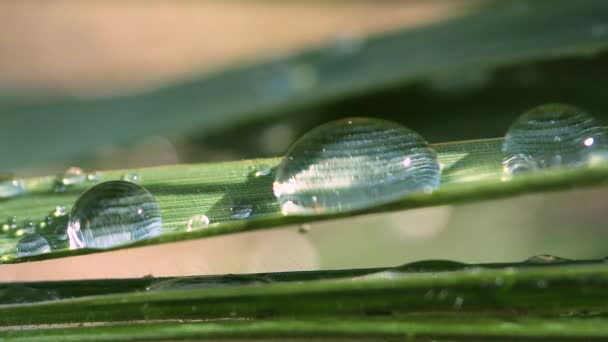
[10,187]
[112,214]
[32,244]
[553,135]
[353,164]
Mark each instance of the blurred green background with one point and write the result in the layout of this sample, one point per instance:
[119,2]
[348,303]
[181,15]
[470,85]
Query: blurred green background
[64,65]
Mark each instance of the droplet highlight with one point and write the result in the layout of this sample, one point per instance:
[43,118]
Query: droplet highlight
[111,214]
[132,177]
[353,164]
[550,136]
[32,244]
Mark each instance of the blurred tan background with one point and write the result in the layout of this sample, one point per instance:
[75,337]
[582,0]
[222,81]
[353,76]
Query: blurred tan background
[112,47]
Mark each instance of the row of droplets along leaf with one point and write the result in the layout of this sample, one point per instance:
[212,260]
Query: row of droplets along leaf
[340,166]
[358,163]
[51,233]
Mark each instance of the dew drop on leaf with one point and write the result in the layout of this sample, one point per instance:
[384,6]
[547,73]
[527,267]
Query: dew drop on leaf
[545,259]
[111,214]
[10,187]
[72,176]
[10,224]
[240,210]
[353,164]
[553,135]
[196,222]
[32,244]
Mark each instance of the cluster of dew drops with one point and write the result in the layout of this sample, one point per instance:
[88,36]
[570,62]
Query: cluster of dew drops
[344,165]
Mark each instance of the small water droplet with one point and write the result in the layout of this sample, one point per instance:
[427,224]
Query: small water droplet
[545,259]
[240,210]
[132,177]
[73,175]
[113,213]
[32,244]
[262,170]
[458,301]
[60,210]
[10,224]
[197,222]
[94,176]
[353,164]
[28,227]
[443,295]
[11,187]
[304,228]
[542,284]
[553,135]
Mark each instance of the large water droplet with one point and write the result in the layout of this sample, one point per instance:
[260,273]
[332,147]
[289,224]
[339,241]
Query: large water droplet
[354,164]
[113,213]
[10,187]
[553,135]
[32,244]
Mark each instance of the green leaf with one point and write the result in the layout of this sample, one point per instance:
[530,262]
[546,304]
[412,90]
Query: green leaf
[411,328]
[497,293]
[472,171]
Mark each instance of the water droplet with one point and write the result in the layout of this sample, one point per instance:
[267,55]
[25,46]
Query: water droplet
[60,210]
[262,170]
[71,176]
[94,176]
[304,228]
[10,224]
[240,210]
[32,244]
[11,187]
[197,222]
[553,135]
[113,213]
[132,177]
[458,301]
[354,164]
[443,295]
[28,227]
[545,259]
[542,284]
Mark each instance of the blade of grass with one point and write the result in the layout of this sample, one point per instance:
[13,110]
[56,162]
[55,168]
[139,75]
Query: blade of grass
[425,328]
[471,172]
[514,290]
